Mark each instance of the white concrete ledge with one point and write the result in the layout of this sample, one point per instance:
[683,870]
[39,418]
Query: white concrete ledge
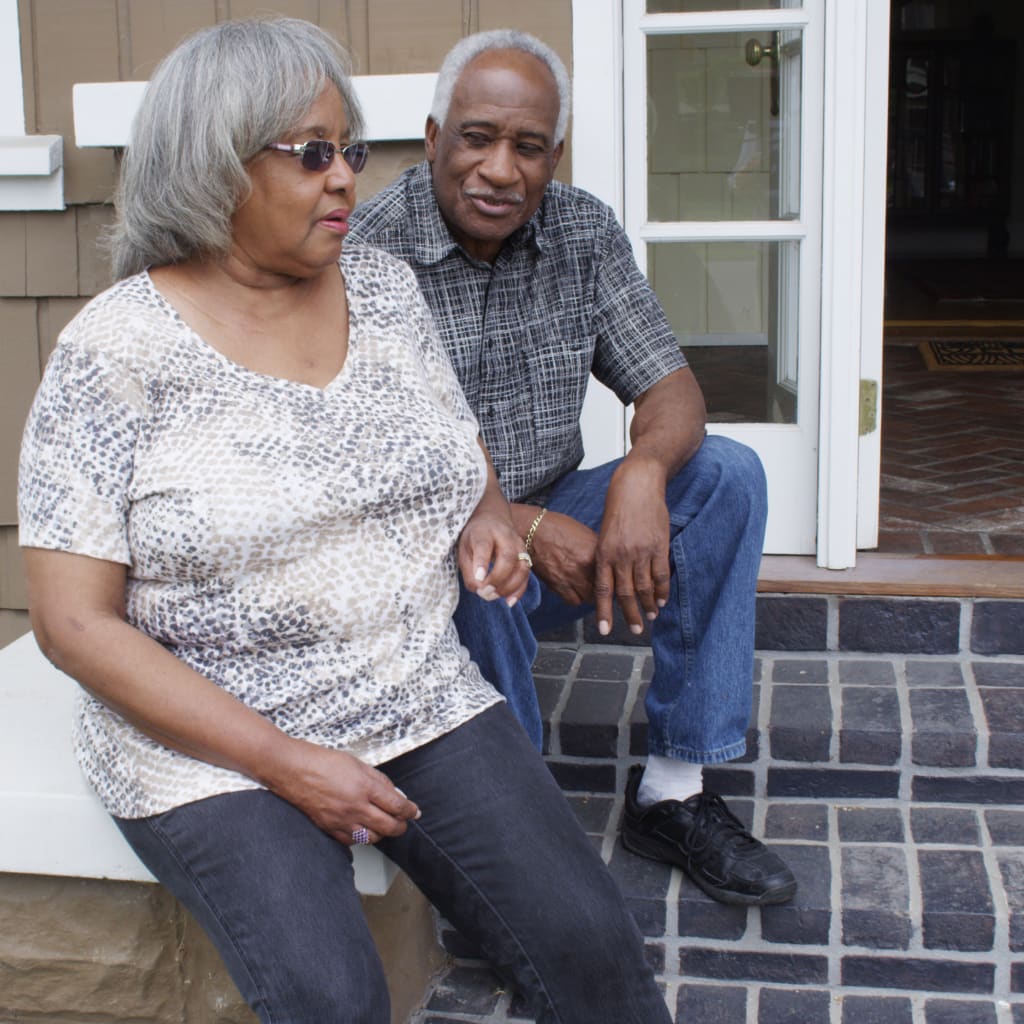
[30,155]
[31,172]
[103,112]
[51,823]
[395,108]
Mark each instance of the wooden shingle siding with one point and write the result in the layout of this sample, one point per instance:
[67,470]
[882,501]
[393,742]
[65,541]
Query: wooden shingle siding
[12,256]
[12,585]
[19,373]
[51,263]
[73,42]
[51,253]
[93,271]
[152,29]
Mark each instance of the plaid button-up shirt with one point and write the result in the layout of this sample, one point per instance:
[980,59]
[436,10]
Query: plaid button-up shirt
[564,299]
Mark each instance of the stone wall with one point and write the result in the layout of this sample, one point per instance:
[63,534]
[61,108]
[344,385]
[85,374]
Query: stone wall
[88,951]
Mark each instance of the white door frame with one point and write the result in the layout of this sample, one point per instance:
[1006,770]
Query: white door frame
[853,241]
[598,165]
[853,272]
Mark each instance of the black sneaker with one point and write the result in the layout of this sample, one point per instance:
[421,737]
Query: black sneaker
[704,838]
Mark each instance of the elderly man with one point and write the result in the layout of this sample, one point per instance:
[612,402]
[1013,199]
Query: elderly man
[533,286]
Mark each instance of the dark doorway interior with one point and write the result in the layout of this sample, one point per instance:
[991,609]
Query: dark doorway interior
[953,439]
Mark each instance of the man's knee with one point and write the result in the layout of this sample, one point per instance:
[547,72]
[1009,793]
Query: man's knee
[734,460]
[724,471]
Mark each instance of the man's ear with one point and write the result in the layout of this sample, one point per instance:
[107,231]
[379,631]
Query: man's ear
[556,154]
[430,138]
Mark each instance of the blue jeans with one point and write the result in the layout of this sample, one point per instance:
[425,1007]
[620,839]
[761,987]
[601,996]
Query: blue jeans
[698,704]
[497,850]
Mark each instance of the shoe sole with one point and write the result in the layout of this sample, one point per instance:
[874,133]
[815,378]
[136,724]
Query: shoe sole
[770,898]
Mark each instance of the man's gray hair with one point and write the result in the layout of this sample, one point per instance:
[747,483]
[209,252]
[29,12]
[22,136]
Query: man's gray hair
[213,103]
[468,49]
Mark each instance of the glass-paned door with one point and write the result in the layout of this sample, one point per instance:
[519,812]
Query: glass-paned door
[723,206]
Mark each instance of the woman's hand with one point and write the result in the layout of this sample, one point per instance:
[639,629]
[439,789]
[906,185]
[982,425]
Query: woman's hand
[340,793]
[492,555]
[489,558]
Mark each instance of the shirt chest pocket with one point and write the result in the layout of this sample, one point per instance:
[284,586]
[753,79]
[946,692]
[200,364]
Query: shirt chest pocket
[557,369]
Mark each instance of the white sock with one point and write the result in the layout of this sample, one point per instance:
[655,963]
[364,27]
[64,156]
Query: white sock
[665,778]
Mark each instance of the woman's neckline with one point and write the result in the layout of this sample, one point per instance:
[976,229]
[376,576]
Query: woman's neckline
[197,337]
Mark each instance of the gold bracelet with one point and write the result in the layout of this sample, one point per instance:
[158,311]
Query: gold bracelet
[533,529]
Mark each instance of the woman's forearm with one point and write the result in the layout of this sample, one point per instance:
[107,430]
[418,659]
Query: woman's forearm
[493,501]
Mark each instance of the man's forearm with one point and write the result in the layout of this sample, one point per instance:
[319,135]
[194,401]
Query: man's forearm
[524,516]
[668,422]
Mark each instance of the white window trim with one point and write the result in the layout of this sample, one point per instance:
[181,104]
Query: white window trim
[12,97]
[31,166]
[395,107]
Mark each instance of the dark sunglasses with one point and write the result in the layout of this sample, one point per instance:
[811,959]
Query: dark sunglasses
[317,154]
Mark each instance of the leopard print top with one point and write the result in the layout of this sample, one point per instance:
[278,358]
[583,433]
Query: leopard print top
[293,544]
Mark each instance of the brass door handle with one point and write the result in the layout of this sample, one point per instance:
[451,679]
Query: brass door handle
[756,52]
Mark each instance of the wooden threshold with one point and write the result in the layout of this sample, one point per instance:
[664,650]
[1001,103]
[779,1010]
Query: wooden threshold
[1000,576]
[953,323]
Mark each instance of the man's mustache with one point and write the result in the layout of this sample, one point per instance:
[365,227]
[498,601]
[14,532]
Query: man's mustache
[496,197]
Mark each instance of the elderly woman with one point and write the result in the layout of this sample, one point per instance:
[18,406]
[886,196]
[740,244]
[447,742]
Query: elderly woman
[247,482]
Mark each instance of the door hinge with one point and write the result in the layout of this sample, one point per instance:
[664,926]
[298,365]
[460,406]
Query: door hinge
[868,407]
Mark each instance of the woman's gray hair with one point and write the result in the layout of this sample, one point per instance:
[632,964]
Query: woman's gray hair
[468,49]
[213,103]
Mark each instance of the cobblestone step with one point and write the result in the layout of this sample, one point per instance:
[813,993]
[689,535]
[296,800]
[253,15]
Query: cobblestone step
[892,782]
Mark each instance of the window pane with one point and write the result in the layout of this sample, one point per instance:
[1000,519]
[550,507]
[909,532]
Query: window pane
[723,134]
[733,306]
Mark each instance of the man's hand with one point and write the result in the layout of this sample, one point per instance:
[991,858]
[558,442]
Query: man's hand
[632,562]
[564,553]
[627,563]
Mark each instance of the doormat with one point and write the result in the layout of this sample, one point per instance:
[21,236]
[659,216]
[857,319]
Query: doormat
[973,355]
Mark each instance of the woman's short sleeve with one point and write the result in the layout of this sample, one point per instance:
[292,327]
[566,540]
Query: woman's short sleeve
[77,456]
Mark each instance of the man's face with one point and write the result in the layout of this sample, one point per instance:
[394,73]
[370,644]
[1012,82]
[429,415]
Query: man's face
[494,155]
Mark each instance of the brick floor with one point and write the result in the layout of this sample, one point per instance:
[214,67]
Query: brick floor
[892,782]
[952,456]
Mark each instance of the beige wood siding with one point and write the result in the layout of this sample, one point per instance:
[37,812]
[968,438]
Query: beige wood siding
[51,264]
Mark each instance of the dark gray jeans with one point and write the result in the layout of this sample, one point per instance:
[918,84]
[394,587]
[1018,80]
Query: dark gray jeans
[497,850]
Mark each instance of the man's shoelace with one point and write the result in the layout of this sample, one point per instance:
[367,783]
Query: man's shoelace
[713,816]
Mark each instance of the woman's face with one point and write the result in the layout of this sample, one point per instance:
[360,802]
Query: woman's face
[294,222]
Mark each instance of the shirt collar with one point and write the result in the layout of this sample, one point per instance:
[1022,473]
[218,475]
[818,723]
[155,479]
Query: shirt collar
[433,239]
